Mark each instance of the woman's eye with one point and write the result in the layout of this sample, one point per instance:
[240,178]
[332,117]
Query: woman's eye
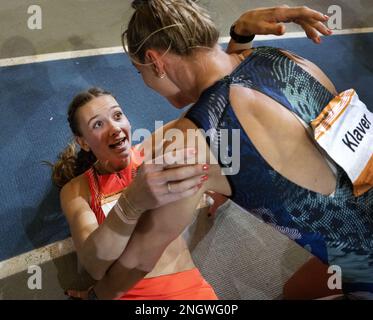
[118,115]
[97,124]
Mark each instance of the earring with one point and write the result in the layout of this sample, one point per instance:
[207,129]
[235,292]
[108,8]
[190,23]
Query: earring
[162,76]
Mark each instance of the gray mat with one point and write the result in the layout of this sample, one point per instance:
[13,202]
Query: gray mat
[240,256]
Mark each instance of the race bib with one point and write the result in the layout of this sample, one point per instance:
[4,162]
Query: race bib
[344,129]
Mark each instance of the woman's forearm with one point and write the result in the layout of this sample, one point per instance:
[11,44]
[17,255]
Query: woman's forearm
[118,281]
[130,268]
[105,244]
[101,249]
[145,249]
[154,232]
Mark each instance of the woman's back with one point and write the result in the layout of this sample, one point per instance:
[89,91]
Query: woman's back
[283,178]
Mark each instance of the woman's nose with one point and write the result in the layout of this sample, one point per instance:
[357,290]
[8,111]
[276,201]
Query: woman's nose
[114,129]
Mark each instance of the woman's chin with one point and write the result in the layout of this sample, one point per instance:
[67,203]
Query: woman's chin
[121,163]
[125,156]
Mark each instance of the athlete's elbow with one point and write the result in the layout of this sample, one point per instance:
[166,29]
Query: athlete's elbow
[94,272]
[142,261]
[92,266]
[145,257]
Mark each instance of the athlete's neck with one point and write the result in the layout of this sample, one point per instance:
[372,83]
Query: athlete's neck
[203,69]
[109,168]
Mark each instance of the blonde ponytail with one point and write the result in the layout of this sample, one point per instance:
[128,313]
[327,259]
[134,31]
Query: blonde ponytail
[178,26]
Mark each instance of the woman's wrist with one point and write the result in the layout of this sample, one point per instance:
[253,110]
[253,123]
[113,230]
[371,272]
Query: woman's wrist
[238,36]
[126,210]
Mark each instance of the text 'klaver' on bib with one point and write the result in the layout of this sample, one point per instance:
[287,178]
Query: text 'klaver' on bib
[344,129]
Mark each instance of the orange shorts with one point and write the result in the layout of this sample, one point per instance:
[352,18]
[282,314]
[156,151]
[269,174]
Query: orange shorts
[185,285]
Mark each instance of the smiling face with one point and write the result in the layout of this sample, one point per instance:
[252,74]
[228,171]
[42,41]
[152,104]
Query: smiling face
[106,131]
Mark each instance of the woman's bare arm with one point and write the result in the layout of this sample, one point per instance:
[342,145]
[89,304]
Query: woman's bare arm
[271,21]
[153,235]
[97,246]
[157,229]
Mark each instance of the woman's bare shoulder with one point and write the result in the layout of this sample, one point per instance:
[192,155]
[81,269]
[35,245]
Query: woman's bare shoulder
[77,187]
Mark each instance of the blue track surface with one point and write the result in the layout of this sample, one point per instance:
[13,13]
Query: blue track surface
[33,124]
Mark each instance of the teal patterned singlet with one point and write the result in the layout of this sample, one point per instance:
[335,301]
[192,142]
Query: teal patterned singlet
[337,229]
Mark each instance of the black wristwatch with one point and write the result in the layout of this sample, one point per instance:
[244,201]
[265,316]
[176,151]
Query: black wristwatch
[238,38]
[92,294]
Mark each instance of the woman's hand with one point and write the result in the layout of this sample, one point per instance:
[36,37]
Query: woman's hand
[157,184]
[270,21]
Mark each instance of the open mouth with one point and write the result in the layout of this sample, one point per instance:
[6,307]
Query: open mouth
[119,144]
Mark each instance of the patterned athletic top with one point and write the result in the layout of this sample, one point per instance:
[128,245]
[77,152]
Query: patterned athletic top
[338,228]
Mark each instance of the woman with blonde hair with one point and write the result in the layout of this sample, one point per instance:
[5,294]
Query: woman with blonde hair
[255,105]
[109,247]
